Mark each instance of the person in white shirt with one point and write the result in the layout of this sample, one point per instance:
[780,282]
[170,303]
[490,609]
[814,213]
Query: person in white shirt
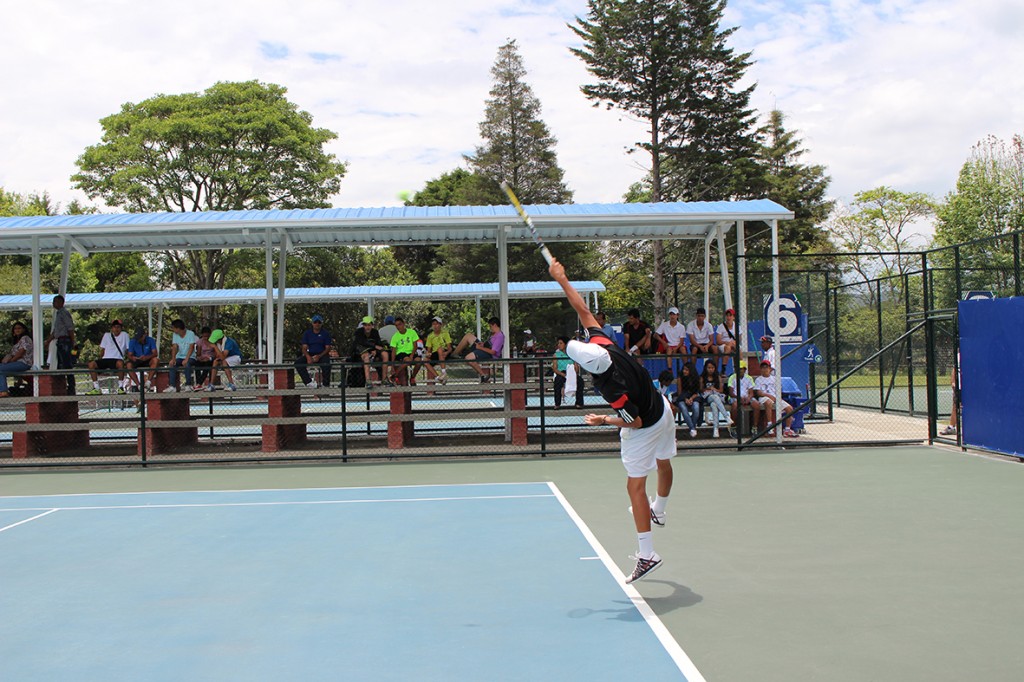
[672,333]
[768,351]
[115,346]
[764,391]
[742,396]
[725,337]
[701,334]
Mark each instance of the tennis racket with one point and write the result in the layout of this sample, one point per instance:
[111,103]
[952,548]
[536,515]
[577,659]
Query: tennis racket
[526,219]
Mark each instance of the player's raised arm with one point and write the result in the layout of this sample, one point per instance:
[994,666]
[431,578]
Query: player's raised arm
[557,273]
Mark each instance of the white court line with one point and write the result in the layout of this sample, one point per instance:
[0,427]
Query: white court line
[188,505]
[37,516]
[274,490]
[683,661]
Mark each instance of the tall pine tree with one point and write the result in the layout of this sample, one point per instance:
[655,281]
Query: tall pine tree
[666,62]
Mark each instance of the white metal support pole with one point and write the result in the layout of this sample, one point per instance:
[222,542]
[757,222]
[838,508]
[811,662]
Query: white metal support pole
[270,302]
[282,271]
[707,271]
[37,312]
[478,317]
[741,295]
[723,265]
[159,327]
[65,266]
[776,342]
[503,312]
[259,329]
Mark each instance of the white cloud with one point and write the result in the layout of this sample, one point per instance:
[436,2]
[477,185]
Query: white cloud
[892,92]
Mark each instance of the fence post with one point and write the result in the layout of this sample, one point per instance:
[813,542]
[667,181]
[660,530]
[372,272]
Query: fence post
[910,345]
[929,351]
[881,344]
[543,420]
[344,413]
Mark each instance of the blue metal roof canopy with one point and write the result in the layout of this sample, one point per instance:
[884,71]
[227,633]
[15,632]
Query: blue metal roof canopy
[376,226]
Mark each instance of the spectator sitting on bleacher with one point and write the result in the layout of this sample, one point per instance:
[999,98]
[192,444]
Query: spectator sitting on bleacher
[743,395]
[142,353]
[403,349]
[688,397]
[183,354]
[388,330]
[368,346]
[712,393]
[19,359]
[725,337]
[438,345]
[114,345]
[764,390]
[477,351]
[672,334]
[701,333]
[606,326]
[768,351]
[227,354]
[637,334]
[529,348]
[316,350]
[205,355]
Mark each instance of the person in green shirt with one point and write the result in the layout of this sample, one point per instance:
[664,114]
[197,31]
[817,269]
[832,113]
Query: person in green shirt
[403,348]
[438,344]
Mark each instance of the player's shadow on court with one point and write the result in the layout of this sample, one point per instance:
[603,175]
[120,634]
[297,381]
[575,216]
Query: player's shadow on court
[680,597]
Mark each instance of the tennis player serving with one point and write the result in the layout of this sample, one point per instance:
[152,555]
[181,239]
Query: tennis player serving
[643,416]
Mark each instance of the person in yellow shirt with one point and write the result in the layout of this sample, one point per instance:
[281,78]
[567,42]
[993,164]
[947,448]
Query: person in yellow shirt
[439,345]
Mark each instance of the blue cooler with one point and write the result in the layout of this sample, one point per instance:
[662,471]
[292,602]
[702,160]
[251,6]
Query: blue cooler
[792,394]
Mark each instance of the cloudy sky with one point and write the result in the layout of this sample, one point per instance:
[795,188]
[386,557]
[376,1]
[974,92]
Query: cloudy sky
[892,92]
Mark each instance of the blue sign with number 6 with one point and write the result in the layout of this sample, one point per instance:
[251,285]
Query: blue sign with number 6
[783,318]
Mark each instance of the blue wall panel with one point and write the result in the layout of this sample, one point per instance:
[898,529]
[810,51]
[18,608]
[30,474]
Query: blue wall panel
[992,374]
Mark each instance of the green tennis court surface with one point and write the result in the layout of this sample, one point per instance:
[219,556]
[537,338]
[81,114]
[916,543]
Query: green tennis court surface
[843,565]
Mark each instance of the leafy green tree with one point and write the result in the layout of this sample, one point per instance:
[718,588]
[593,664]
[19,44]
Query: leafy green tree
[879,224]
[234,146]
[666,62]
[988,201]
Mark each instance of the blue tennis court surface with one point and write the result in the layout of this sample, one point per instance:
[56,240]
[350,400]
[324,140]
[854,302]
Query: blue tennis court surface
[499,581]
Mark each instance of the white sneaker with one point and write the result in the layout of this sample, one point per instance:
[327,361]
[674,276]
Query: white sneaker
[311,384]
[643,567]
[170,389]
[656,519]
[693,433]
[714,433]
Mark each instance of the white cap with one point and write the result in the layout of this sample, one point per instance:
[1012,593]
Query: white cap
[591,356]
[527,331]
[438,320]
[672,310]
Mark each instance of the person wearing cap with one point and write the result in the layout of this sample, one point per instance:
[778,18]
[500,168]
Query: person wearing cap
[741,396]
[388,330]
[768,351]
[226,354]
[114,345]
[725,337]
[529,347]
[643,416]
[367,344]
[764,391]
[672,334]
[316,350]
[701,334]
[142,353]
[439,345]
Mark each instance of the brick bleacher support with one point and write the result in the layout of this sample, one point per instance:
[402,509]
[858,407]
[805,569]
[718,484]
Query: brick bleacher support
[34,443]
[400,432]
[517,401]
[163,440]
[278,437]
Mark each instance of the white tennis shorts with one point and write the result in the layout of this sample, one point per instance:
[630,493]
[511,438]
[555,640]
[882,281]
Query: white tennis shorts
[763,399]
[234,360]
[641,448]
